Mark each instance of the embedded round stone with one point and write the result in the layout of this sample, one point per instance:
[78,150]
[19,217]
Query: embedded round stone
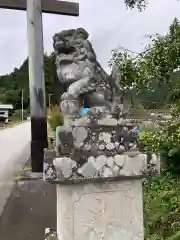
[105,136]
[132,146]
[119,160]
[88,170]
[101,147]
[79,134]
[91,159]
[100,162]
[121,148]
[121,121]
[87,147]
[110,146]
[107,172]
[125,129]
[65,166]
[110,161]
[93,138]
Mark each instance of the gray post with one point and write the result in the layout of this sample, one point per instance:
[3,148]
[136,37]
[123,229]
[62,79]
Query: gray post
[36,66]
[36,84]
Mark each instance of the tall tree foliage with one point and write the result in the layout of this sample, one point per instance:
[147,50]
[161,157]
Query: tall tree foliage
[11,85]
[139,4]
[156,66]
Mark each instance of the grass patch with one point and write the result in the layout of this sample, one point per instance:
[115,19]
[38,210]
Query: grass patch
[14,123]
[26,169]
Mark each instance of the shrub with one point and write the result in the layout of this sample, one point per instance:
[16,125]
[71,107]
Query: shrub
[166,142]
[18,114]
[161,207]
[55,119]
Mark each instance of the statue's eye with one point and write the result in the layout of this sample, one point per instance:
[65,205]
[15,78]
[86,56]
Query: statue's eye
[78,41]
[57,38]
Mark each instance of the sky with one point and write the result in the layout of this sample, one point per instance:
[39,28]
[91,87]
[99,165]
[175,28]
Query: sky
[108,22]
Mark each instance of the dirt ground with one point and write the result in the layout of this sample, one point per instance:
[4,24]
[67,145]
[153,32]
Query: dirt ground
[30,209]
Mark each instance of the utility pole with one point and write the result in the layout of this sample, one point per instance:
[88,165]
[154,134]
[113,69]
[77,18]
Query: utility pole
[39,138]
[34,9]
[22,105]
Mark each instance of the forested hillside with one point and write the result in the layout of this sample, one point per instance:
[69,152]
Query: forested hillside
[11,85]
[159,95]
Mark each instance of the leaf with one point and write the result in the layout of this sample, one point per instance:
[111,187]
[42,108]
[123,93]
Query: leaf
[173,152]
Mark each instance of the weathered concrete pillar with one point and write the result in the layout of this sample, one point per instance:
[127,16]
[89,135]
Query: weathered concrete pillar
[98,170]
[107,210]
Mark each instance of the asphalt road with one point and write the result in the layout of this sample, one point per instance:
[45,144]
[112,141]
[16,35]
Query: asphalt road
[14,152]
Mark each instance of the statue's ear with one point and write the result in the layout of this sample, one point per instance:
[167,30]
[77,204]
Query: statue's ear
[54,37]
[83,32]
[57,35]
[70,32]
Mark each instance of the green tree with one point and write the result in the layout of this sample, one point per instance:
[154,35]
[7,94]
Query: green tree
[154,71]
[139,4]
[11,85]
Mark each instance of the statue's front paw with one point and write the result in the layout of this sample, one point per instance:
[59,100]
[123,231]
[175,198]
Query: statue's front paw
[66,96]
[70,106]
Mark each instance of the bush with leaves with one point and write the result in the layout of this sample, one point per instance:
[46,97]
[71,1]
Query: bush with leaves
[152,72]
[17,115]
[161,193]
[161,207]
[139,4]
[166,142]
[55,119]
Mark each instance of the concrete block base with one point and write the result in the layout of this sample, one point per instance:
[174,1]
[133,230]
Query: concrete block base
[50,234]
[98,171]
[95,211]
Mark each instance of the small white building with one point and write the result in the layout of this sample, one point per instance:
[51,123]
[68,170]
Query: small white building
[4,112]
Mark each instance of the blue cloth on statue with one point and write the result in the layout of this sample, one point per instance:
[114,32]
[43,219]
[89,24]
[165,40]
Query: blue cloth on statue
[83,111]
[136,129]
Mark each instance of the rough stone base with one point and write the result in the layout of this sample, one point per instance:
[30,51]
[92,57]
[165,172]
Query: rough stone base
[50,234]
[98,171]
[95,211]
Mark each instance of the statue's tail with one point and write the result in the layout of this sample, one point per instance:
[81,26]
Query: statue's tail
[100,71]
[115,78]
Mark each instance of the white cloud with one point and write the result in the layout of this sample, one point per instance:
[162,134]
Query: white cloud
[109,23]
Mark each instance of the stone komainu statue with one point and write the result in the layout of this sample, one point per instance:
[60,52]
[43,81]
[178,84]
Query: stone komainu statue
[85,81]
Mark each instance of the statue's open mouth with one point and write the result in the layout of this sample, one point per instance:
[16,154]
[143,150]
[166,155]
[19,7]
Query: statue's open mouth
[64,60]
[65,52]
[63,47]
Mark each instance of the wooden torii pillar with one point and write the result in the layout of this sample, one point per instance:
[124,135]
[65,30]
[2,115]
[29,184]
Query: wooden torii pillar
[34,10]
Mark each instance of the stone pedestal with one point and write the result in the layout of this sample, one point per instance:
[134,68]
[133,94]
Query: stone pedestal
[94,211]
[98,170]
